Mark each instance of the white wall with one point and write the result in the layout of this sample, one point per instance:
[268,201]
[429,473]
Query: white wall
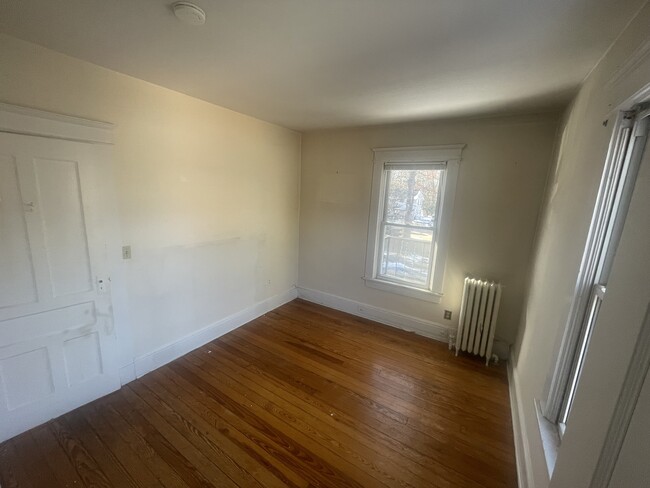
[562,235]
[208,198]
[499,194]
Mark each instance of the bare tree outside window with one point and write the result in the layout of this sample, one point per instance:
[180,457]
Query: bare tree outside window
[409,224]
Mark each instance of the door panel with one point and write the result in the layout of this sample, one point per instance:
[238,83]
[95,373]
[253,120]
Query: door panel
[83,358]
[64,228]
[27,377]
[57,339]
[17,281]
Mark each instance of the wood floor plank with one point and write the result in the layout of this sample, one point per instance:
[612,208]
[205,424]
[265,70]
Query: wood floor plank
[430,359]
[54,456]
[167,448]
[87,468]
[147,455]
[12,474]
[352,376]
[276,418]
[426,375]
[240,469]
[476,432]
[238,433]
[205,468]
[403,452]
[31,460]
[98,420]
[284,447]
[379,416]
[302,397]
[79,427]
[319,425]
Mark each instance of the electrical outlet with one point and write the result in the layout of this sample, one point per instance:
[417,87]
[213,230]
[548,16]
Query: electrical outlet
[448,314]
[126,252]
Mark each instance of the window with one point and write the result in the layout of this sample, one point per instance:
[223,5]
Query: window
[617,183]
[412,202]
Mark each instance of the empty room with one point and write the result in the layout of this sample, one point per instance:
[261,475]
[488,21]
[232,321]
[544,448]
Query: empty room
[324,243]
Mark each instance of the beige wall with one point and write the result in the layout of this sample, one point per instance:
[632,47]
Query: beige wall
[208,198]
[498,197]
[572,191]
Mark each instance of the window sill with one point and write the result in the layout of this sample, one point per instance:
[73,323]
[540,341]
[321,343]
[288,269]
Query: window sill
[408,291]
[550,435]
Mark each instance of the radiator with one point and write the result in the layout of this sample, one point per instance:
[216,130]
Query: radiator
[478,317]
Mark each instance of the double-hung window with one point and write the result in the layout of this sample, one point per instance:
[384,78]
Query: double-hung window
[617,183]
[412,203]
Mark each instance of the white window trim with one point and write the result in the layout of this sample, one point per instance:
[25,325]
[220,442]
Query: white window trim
[448,155]
[559,380]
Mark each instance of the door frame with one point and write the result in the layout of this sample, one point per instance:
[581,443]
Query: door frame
[28,121]
[15,119]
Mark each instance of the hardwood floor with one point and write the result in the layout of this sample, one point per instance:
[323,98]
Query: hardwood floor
[303,396]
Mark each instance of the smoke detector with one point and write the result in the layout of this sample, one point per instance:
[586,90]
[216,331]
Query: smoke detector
[188,13]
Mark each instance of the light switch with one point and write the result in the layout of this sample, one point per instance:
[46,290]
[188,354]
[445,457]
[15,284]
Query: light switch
[126,252]
[448,314]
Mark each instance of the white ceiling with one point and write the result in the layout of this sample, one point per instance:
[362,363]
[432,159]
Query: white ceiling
[308,64]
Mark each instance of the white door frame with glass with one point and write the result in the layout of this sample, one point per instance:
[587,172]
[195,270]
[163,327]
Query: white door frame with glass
[413,192]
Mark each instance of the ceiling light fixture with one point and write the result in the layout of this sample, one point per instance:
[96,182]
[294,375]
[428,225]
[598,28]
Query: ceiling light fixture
[188,13]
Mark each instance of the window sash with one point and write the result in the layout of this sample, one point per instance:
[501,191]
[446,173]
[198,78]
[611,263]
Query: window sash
[434,229]
[395,279]
[422,157]
[615,191]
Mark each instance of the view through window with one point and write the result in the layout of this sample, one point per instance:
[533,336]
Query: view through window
[411,210]
[409,224]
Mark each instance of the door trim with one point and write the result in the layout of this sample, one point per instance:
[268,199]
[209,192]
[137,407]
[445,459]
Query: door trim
[28,121]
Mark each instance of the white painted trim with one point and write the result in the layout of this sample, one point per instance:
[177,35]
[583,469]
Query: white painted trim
[127,374]
[522,452]
[408,291]
[448,156]
[426,328]
[623,157]
[634,379]
[28,121]
[155,359]
[635,59]
[550,435]
[422,327]
[418,154]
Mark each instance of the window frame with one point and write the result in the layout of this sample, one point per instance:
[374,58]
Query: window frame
[626,148]
[448,156]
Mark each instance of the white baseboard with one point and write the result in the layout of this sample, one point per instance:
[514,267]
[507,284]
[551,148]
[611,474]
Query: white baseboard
[519,431]
[153,360]
[422,327]
[127,374]
[426,328]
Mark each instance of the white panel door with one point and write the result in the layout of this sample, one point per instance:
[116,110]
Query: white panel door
[57,339]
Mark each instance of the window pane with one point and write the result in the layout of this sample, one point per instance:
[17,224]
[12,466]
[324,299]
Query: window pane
[581,352]
[406,255]
[412,196]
